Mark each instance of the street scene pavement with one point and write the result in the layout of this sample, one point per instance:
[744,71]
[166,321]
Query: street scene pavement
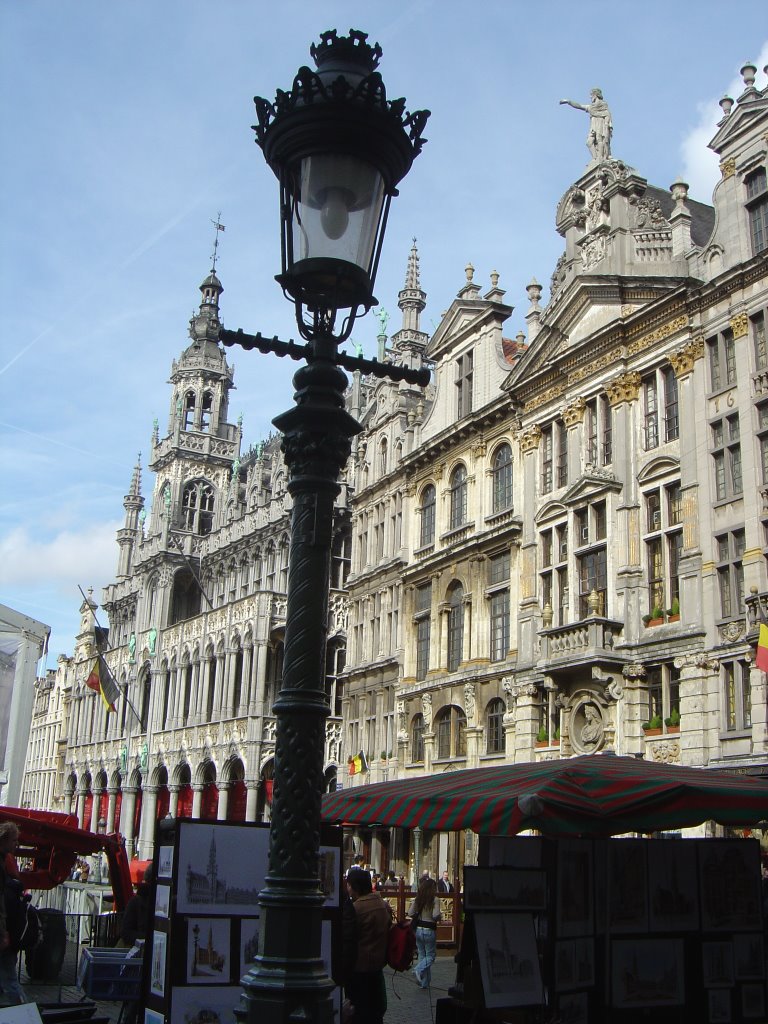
[406,1001]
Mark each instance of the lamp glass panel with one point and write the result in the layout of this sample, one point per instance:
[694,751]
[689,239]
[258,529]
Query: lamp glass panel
[338,210]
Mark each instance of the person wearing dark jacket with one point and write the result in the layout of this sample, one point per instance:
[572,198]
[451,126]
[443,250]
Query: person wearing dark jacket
[138,912]
[12,992]
[365,986]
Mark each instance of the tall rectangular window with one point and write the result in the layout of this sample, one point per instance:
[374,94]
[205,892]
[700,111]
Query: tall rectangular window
[651,408]
[762,440]
[598,433]
[738,696]
[671,416]
[464,373]
[757,209]
[722,360]
[729,549]
[593,576]
[663,545]
[726,456]
[562,454]
[423,629]
[546,460]
[758,340]
[499,615]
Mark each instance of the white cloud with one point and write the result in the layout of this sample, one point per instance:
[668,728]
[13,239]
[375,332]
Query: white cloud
[69,556]
[700,165]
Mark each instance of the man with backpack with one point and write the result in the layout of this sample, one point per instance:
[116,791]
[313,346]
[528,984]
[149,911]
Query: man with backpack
[12,917]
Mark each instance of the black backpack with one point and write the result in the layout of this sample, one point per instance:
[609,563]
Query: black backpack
[21,918]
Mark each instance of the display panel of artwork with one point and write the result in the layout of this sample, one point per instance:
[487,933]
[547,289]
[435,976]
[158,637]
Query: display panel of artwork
[574,963]
[573,1008]
[627,885]
[504,889]
[214,1004]
[330,874]
[729,885]
[162,900]
[749,956]
[575,899]
[753,1002]
[208,959]
[165,862]
[719,1006]
[511,851]
[249,943]
[717,964]
[673,895]
[221,869]
[509,961]
[647,972]
[152,1017]
[157,963]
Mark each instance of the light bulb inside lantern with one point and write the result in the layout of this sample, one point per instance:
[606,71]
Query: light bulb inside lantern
[334,215]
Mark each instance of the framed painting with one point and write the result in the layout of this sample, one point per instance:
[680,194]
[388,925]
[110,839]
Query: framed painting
[647,973]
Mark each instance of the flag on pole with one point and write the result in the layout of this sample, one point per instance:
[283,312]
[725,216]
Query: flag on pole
[761,657]
[103,682]
[357,764]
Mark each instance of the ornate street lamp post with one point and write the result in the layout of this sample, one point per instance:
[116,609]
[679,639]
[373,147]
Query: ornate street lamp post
[338,148]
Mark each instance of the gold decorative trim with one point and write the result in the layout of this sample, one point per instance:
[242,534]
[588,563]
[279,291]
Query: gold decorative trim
[607,359]
[530,438]
[624,388]
[673,327]
[740,325]
[574,414]
[728,167]
[684,358]
[556,391]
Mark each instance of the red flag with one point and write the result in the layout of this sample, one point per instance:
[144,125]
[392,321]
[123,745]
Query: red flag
[761,657]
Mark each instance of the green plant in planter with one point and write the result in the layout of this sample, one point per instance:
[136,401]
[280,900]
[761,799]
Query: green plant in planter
[657,612]
[647,619]
[557,733]
[655,722]
[645,726]
[674,718]
[542,735]
[674,608]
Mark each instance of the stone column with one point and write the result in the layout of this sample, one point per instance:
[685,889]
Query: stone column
[221,812]
[81,793]
[202,703]
[173,802]
[126,817]
[251,798]
[699,713]
[247,684]
[228,681]
[197,798]
[573,418]
[632,711]
[220,685]
[148,819]
[527,721]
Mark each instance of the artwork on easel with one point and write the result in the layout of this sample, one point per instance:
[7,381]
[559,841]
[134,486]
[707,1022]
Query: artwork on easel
[573,1008]
[329,870]
[647,973]
[748,956]
[504,889]
[165,862]
[157,963]
[719,1006]
[673,897]
[221,868]
[627,885]
[575,901]
[574,963]
[509,960]
[213,1004]
[208,956]
[162,900]
[735,906]
[717,964]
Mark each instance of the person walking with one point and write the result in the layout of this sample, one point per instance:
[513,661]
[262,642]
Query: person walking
[365,986]
[425,913]
[12,992]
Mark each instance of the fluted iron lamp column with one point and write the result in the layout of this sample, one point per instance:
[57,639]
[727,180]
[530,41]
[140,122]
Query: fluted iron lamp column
[339,149]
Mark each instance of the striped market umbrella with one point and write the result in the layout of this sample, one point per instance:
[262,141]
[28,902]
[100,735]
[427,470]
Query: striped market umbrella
[591,795]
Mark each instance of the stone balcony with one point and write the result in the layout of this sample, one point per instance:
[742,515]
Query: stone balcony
[587,641]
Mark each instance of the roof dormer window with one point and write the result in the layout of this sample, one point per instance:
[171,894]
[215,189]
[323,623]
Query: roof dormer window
[757,209]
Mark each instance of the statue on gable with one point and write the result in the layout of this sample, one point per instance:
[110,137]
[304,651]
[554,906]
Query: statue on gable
[600,124]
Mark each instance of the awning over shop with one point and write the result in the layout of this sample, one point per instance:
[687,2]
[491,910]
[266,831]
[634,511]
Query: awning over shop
[592,795]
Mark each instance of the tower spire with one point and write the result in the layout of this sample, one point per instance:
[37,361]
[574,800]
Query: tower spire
[412,299]
[218,226]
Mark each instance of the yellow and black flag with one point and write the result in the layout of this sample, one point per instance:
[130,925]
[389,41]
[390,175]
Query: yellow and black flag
[103,682]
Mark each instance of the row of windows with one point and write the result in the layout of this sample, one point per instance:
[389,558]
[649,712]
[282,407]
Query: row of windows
[450,725]
[501,496]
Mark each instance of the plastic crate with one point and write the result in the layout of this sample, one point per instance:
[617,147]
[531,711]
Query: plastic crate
[109,974]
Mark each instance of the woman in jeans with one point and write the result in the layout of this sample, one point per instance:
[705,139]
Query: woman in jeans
[425,913]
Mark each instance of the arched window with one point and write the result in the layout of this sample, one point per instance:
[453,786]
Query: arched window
[269,580]
[144,694]
[428,502]
[197,505]
[455,626]
[494,727]
[189,410]
[450,730]
[502,478]
[206,411]
[458,490]
[383,456]
[417,738]
[335,660]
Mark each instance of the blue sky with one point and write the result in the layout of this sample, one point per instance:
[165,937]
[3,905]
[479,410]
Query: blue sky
[127,128]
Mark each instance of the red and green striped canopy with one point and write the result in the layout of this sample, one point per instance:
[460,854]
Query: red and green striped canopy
[593,795]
